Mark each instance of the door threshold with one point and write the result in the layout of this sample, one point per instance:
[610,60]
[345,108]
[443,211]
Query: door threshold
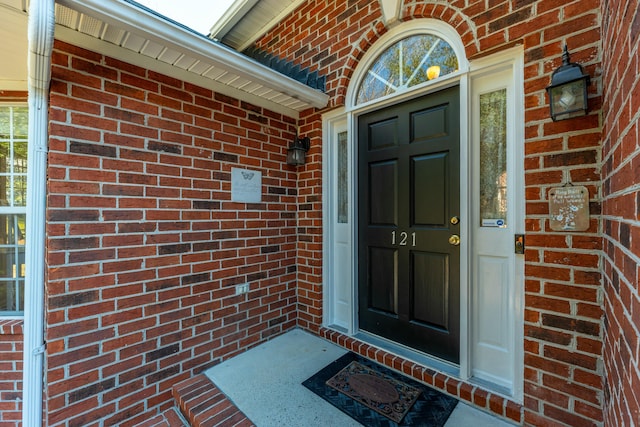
[429,361]
[409,353]
[490,385]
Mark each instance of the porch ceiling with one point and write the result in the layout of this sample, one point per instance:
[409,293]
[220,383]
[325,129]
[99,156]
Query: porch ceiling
[135,34]
[13,33]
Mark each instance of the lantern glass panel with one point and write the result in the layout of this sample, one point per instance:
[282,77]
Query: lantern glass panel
[568,98]
[295,156]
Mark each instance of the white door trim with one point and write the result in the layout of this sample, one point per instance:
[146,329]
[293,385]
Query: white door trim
[336,295]
[494,281]
[338,236]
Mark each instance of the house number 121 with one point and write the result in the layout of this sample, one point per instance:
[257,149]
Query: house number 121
[402,239]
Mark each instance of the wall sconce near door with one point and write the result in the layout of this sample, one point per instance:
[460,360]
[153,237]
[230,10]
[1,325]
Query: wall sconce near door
[568,90]
[297,150]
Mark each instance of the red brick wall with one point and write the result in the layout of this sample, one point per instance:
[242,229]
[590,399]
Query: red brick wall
[10,372]
[144,243]
[563,327]
[621,210]
[309,246]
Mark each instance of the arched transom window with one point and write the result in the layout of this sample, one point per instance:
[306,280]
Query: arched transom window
[409,62]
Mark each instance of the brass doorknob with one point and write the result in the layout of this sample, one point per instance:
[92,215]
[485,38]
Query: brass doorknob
[454,240]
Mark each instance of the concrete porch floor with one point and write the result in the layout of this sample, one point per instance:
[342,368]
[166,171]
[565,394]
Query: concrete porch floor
[266,384]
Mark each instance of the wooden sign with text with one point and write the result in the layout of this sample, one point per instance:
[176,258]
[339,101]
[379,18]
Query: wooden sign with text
[569,208]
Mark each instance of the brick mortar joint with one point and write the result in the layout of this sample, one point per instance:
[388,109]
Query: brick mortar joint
[446,3]
[11,327]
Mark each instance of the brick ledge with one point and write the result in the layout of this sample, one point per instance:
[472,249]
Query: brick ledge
[204,405]
[169,418]
[470,393]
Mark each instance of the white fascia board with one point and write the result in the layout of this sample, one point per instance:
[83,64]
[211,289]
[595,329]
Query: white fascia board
[153,27]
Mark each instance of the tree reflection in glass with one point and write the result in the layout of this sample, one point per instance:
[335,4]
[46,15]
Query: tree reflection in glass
[493,156]
[406,64]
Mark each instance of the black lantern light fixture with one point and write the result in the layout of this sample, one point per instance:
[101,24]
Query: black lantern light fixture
[297,150]
[568,90]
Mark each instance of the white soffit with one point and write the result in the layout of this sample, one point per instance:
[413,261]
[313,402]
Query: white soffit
[14,46]
[135,35]
[248,20]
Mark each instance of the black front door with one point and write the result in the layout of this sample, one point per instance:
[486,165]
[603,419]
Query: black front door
[409,203]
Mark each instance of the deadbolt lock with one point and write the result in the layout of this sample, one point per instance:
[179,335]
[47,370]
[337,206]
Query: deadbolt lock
[518,243]
[454,240]
[454,220]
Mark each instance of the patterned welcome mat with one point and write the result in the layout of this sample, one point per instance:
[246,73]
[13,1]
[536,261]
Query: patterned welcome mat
[376,396]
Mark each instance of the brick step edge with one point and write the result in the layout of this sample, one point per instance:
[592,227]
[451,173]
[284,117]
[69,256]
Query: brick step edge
[169,418]
[204,405]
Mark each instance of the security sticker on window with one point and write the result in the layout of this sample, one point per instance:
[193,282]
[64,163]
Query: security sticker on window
[493,222]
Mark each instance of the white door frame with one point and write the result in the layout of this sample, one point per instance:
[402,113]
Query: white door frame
[340,249]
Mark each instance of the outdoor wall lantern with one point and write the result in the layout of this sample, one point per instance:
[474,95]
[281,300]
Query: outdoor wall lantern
[568,90]
[296,151]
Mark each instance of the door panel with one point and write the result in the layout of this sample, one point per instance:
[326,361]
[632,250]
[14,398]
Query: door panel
[429,207]
[383,276]
[492,324]
[383,134]
[408,160]
[430,293]
[429,123]
[383,186]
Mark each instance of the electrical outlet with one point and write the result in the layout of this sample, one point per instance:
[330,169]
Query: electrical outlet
[242,288]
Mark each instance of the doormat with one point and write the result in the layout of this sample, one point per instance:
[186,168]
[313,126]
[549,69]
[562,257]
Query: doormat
[380,392]
[364,390]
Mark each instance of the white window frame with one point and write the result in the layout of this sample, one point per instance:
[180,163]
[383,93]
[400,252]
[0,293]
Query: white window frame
[15,210]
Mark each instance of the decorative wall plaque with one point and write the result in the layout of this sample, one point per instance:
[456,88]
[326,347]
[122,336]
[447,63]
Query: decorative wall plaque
[246,186]
[569,208]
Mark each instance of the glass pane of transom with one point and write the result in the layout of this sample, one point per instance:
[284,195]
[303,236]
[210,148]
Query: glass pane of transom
[409,62]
